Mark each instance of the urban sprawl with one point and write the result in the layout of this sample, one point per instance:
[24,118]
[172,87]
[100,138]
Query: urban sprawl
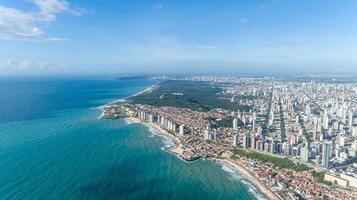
[298,137]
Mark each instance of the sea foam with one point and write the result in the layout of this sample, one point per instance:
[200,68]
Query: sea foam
[167,142]
[234,174]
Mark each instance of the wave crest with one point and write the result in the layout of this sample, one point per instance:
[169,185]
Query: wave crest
[234,174]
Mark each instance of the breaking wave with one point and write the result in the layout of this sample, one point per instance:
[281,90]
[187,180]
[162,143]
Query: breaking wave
[234,174]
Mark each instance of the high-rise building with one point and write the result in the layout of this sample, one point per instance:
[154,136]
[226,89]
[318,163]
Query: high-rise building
[350,121]
[150,118]
[354,131]
[207,133]
[326,152]
[214,135]
[272,147]
[235,140]
[271,118]
[325,120]
[235,124]
[246,141]
[253,120]
[252,142]
[307,110]
[181,131]
[305,151]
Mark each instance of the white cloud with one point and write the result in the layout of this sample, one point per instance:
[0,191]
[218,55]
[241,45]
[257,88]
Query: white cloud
[48,9]
[158,7]
[166,49]
[28,66]
[243,20]
[17,24]
[206,47]
[263,5]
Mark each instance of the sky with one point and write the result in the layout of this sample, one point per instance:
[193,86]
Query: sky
[178,36]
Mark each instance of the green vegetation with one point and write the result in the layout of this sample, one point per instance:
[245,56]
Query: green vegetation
[226,122]
[316,111]
[201,96]
[238,97]
[319,175]
[321,178]
[280,162]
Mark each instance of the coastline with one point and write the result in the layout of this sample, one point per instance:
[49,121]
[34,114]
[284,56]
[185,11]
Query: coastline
[178,150]
[125,99]
[251,177]
[148,89]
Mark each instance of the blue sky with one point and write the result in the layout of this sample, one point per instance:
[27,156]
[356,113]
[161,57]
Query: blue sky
[221,36]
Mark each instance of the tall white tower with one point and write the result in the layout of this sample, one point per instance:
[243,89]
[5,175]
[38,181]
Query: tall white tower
[235,124]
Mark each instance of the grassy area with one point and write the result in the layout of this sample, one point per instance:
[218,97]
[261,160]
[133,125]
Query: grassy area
[226,122]
[321,178]
[201,96]
[280,162]
[319,175]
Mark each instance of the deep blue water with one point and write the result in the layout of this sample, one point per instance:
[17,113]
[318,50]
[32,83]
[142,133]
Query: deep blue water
[52,146]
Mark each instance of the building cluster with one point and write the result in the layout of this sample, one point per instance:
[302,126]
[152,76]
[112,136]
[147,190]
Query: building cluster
[309,122]
[294,185]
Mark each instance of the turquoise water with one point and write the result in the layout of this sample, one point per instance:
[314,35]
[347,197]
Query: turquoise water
[52,146]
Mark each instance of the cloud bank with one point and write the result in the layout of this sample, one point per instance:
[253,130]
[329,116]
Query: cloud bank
[17,24]
[29,66]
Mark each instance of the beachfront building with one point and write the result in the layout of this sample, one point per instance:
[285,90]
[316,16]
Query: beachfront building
[210,134]
[181,129]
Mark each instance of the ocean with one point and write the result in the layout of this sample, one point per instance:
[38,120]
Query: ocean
[53,146]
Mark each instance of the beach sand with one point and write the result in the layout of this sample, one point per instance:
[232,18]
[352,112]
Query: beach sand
[178,150]
[245,172]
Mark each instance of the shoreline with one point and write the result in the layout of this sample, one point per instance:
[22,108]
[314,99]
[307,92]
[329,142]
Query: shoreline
[125,99]
[178,150]
[148,89]
[250,176]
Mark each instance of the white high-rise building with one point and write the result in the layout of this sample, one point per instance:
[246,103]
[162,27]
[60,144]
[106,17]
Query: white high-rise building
[235,124]
[305,151]
[181,131]
[246,141]
[325,120]
[354,131]
[350,121]
[207,133]
[214,135]
[235,140]
[271,118]
[308,110]
[252,142]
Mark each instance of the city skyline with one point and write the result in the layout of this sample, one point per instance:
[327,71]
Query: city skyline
[58,36]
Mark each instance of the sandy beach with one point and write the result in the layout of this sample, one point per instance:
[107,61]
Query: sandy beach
[149,89]
[177,149]
[264,189]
